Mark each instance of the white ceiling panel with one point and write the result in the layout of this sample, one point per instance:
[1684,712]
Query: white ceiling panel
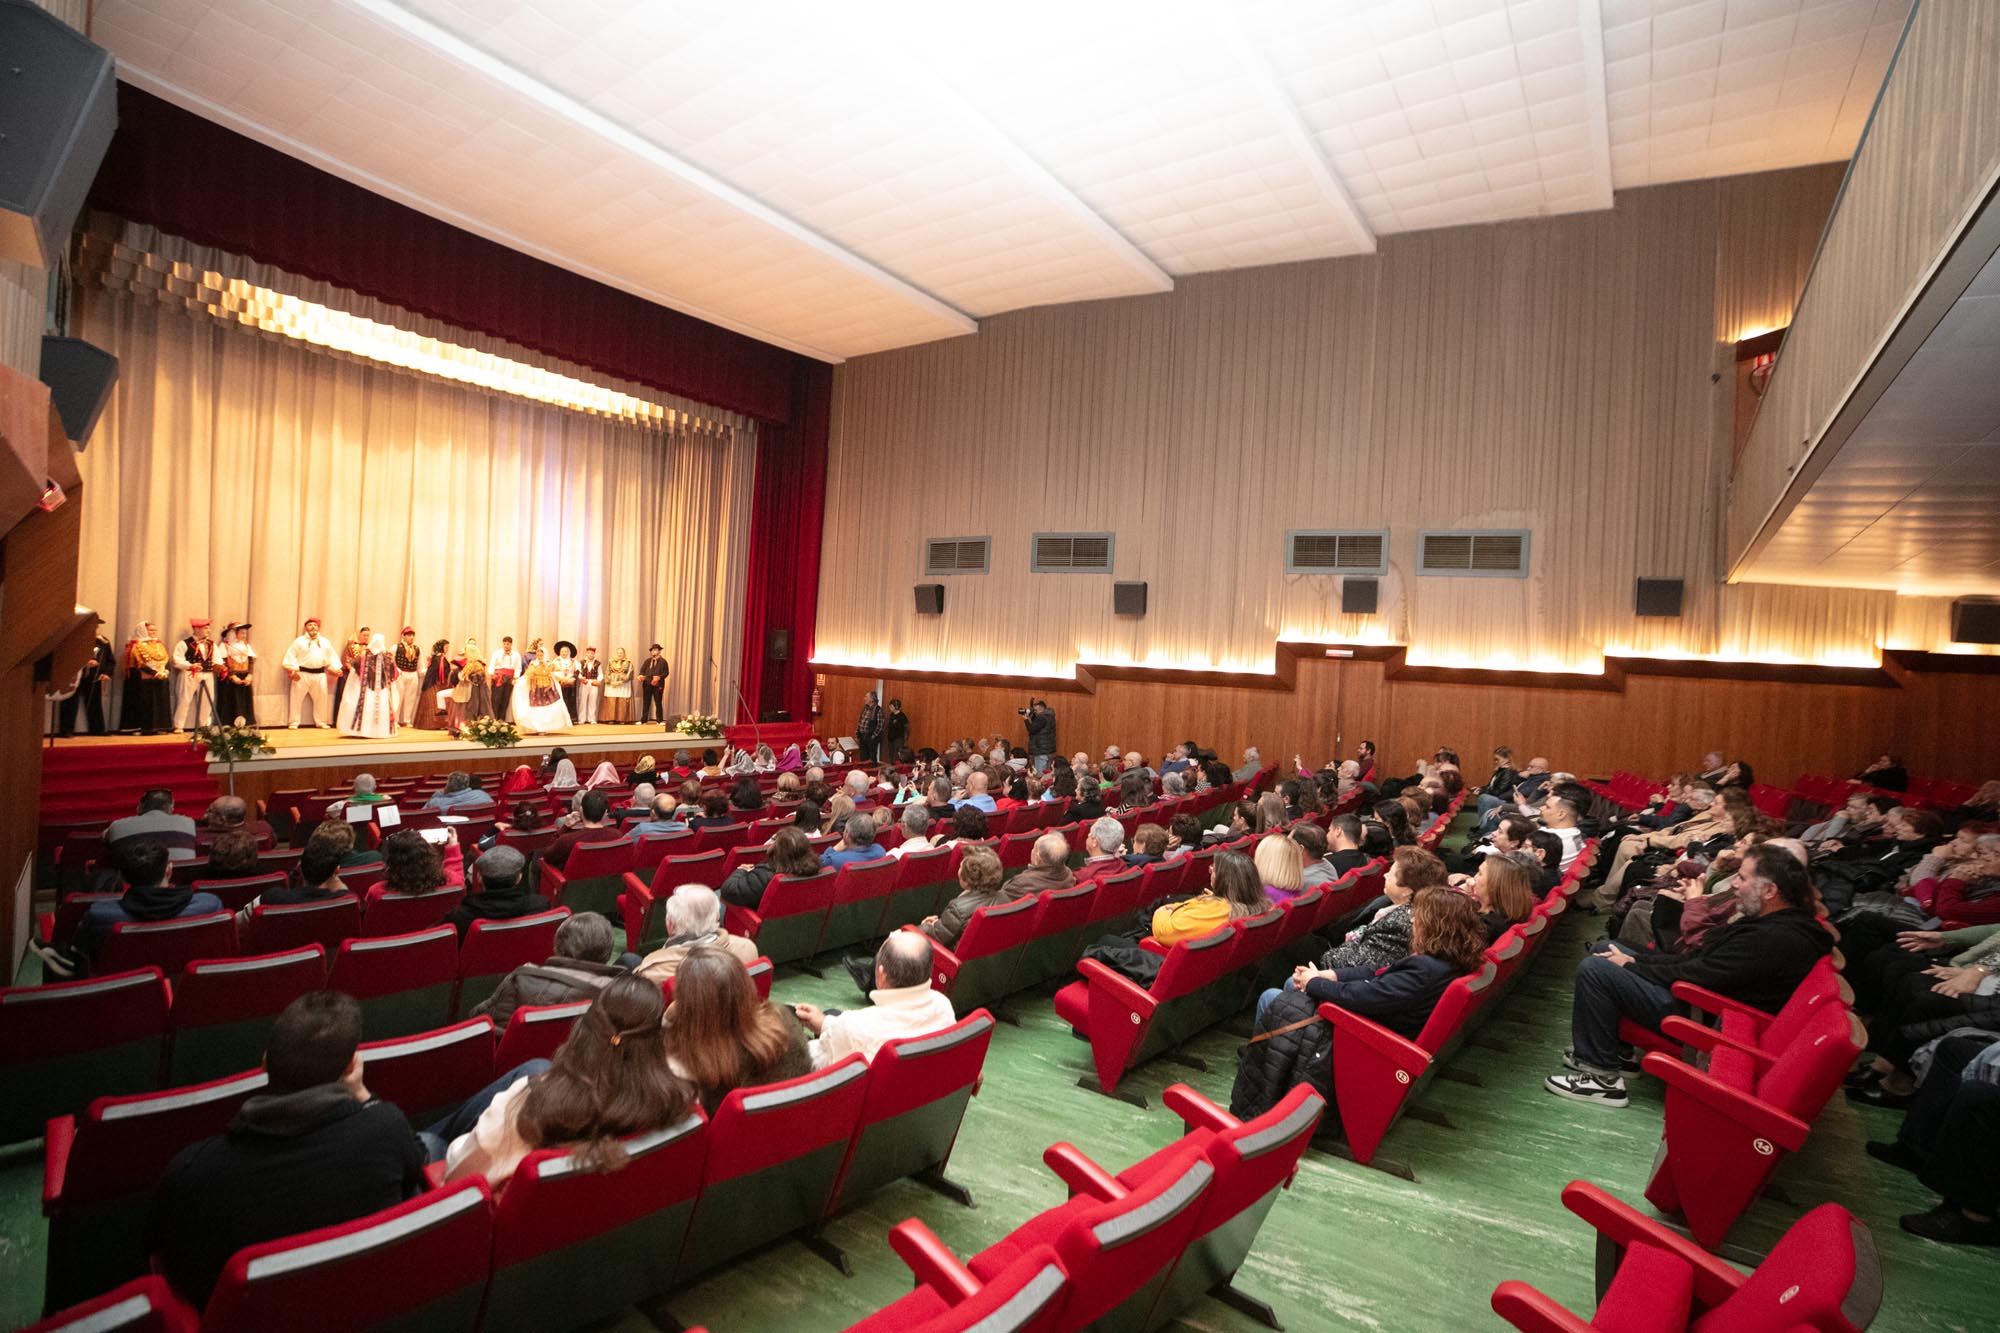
[843,179]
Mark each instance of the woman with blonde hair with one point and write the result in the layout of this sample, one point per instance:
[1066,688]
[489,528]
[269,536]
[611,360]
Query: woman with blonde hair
[1234,890]
[837,811]
[1280,866]
[721,1036]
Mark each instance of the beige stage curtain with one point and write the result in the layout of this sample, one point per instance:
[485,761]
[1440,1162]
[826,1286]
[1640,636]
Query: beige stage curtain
[1552,375]
[244,476]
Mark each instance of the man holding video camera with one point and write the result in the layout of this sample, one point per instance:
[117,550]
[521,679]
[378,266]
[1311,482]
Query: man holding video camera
[1041,723]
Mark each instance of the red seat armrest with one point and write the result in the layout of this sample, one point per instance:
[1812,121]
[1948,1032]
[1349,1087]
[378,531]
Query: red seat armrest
[1082,1175]
[1715,1003]
[1102,978]
[551,885]
[742,921]
[1197,1111]
[932,1262]
[1368,1031]
[1530,1311]
[944,963]
[1690,1033]
[434,1173]
[1151,945]
[641,891]
[56,1142]
[1621,1224]
[1760,1118]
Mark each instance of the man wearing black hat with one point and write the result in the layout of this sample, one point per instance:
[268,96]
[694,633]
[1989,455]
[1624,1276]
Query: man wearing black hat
[653,674]
[410,677]
[194,678]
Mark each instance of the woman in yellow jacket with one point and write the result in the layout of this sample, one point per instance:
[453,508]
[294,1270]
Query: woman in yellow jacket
[1234,890]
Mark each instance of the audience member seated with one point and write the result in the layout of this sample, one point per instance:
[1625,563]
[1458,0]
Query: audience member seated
[1384,935]
[979,885]
[790,854]
[1252,765]
[662,819]
[714,812]
[610,1079]
[232,855]
[1047,868]
[838,808]
[360,792]
[459,795]
[1503,886]
[1088,802]
[916,823]
[1844,871]
[721,1036]
[1939,980]
[318,876]
[857,842]
[1639,855]
[746,795]
[1103,850]
[1759,959]
[413,866]
[1288,1048]
[1947,1141]
[590,823]
[901,1005]
[976,785]
[312,1150]
[227,814]
[1235,889]
[1562,812]
[498,891]
[155,822]
[1344,852]
[1183,837]
[694,921]
[968,824]
[1523,798]
[581,966]
[1240,821]
[149,895]
[1281,866]
[1149,845]
[1395,816]
[1886,772]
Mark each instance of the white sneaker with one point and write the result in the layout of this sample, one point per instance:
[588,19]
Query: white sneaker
[1593,1088]
[1628,1061]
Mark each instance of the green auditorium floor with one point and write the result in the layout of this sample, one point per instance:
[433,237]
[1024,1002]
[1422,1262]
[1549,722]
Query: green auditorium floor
[1347,1247]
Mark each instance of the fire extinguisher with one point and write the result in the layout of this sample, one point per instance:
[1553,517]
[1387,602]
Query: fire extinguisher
[819,685]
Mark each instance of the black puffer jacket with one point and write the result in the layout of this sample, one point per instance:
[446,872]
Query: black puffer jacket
[1267,1069]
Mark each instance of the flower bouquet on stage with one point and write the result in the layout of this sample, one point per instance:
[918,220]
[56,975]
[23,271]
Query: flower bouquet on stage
[538,700]
[491,732]
[699,724]
[232,745]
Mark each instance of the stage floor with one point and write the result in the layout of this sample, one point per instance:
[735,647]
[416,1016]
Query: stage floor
[317,747]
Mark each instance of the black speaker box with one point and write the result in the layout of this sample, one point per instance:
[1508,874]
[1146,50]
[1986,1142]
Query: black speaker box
[58,109]
[1975,620]
[778,644]
[1658,597]
[1359,597]
[1128,599]
[930,599]
[79,376]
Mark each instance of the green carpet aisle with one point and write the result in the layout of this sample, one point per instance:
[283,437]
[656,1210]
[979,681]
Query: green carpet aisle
[1347,1247]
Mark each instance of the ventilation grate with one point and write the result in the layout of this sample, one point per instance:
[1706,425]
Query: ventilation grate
[956,555]
[1474,554]
[1071,553]
[1317,551]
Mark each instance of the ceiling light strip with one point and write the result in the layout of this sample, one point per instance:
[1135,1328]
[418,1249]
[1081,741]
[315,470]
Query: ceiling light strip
[454,47]
[1596,100]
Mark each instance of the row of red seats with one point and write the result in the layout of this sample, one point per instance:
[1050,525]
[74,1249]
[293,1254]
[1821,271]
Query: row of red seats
[557,1247]
[1127,1251]
[200,1013]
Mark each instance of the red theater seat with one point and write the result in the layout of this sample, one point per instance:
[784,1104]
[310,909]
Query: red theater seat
[65,1043]
[861,894]
[1823,1275]
[280,926]
[401,913]
[535,1031]
[1025,1297]
[143,1305]
[236,894]
[429,1074]
[786,924]
[404,982]
[167,945]
[986,962]
[223,1009]
[1126,1023]
[493,948]
[918,1088]
[420,1265]
[571,1247]
[589,880]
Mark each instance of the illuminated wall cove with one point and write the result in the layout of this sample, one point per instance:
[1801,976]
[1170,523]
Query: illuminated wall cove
[1571,376]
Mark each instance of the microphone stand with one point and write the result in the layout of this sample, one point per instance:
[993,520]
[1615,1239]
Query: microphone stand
[756,725]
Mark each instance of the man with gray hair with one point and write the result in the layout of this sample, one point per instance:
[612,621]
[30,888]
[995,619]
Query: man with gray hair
[1103,850]
[856,786]
[976,794]
[1048,867]
[662,819]
[458,795]
[497,890]
[916,831]
[228,813]
[694,919]
[579,969]
[1173,784]
[1253,764]
[902,1004]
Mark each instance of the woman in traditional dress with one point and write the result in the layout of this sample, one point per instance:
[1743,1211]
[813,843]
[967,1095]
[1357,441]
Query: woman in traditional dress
[616,705]
[470,696]
[791,761]
[147,705]
[816,755]
[604,775]
[564,778]
[437,683]
[538,700]
[235,663]
[565,669]
[368,705]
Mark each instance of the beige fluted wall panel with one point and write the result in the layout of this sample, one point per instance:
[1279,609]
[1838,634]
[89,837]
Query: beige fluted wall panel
[24,291]
[1552,375]
[1930,155]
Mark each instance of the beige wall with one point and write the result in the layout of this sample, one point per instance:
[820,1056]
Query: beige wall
[1553,375]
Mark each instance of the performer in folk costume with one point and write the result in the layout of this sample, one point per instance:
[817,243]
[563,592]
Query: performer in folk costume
[565,669]
[308,662]
[435,692]
[409,655]
[538,701]
[617,704]
[471,692]
[653,674]
[369,702]
[502,670]
[351,654]
[88,691]
[235,665]
[148,707]
[194,677]
[589,685]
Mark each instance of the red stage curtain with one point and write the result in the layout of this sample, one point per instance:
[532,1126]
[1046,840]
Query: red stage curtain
[173,170]
[786,513]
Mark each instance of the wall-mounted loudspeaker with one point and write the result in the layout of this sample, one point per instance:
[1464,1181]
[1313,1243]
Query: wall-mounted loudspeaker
[778,644]
[1128,599]
[1658,597]
[79,377]
[58,109]
[1975,620]
[930,599]
[1359,597]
